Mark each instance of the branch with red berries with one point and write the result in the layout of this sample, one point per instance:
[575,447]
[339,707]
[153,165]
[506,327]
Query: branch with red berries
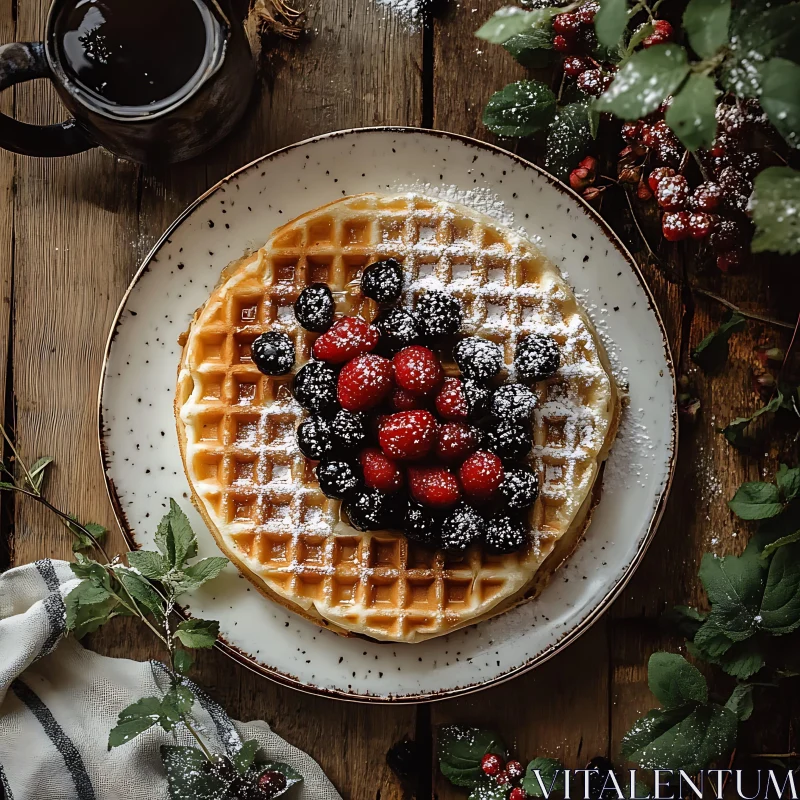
[709,104]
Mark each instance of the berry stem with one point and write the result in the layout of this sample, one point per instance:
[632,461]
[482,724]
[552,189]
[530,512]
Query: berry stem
[778,323]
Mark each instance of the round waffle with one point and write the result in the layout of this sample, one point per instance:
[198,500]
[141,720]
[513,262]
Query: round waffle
[258,493]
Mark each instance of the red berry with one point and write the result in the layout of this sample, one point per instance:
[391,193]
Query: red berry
[450,402]
[503,778]
[566,24]
[643,191]
[706,197]
[730,261]
[631,131]
[726,235]
[455,441]
[586,13]
[675,226]
[663,28]
[700,225]
[672,193]
[574,65]
[364,382]
[271,783]
[417,369]
[657,175]
[347,338]
[653,39]
[515,769]
[481,475]
[408,435]
[592,82]
[579,179]
[402,400]
[491,764]
[435,487]
[518,793]
[589,163]
[380,472]
[561,44]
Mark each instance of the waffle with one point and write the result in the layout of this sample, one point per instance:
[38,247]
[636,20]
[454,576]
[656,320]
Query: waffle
[258,493]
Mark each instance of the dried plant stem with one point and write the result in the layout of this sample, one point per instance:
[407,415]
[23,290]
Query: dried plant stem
[278,16]
[778,323]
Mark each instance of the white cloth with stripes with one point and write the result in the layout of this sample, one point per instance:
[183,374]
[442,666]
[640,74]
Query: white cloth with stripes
[58,702]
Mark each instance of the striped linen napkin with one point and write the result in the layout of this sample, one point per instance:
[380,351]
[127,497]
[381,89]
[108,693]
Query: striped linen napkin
[58,702]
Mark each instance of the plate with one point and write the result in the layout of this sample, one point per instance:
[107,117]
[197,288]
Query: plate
[139,444]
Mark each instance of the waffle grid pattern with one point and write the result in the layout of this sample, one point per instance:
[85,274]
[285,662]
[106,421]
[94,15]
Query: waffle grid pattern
[261,493]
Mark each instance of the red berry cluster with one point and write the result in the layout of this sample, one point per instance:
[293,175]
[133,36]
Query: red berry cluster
[506,774]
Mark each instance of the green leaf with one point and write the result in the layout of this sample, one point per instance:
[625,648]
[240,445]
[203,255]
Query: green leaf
[88,607]
[196,575]
[92,571]
[788,481]
[532,49]
[759,32]
[706,24]
[141,591]
[550,777]
[197,633]
[776,210]
[742,660]
[243,759]
[710,641]
[712,352]
[37,472]
[687,738]
[685,620]
[674,681]
[510,21]
[143,714]
[734,431]
[611,21]
[780,97]
[460,750]
[756,500]
[741,701]
[639,35]
[82,542]
[782,542]
[780,607]
[188,775]
[692,112]
[569,135]
[175,537]
[520,109]
[152,565]
[644,81]
[182,661]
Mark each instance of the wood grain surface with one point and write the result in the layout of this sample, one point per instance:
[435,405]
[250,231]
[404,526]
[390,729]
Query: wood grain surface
[72,232]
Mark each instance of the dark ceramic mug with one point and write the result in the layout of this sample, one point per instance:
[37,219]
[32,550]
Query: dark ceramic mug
[204,112]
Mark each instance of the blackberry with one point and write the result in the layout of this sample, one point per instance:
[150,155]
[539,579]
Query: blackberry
[273,353]
[439,314]
[398,329]
[537,357]
[315,386]
[314,438]
[337,478]
[519,489]
[421,524]
[348,429]
[478,358]
[368,509]
[462,526]
[314,308]
[477,397]
[509,440]
[514,402]
[383,281]
[504,533]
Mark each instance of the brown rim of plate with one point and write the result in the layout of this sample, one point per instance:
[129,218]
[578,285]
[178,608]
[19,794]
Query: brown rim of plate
[570,636]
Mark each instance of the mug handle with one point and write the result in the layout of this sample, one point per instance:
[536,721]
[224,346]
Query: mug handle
[26,61]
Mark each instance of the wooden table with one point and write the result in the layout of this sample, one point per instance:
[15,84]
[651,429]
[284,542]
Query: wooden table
[73,231]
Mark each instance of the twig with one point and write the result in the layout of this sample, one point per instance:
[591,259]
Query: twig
[773,755]
[779,323]
[638,227]
[701,167]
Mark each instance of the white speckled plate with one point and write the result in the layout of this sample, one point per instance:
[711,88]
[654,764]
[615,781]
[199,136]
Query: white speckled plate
[140,449]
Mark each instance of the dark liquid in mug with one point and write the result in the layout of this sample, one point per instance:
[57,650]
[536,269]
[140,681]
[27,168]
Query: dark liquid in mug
[134,53]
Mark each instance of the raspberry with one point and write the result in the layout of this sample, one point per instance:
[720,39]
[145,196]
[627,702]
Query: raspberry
[592,82]
[337,478]
[657,175]
[408,435]
[654,39]
[675,226]
[434,487]
[273,353]
[672,193]
[439,314]
[586,13]
[505,533]
[481,475]
[631,131]
[364,382]
[515,769]
[663,28]
[518,793]
[398,328]
[503,778]
[450,402]
[513,401]
[402,400]
[519,489]
[462,526]
[561,44]
[537,357]
[383,281]
[417,369]
[575,65]
[347,338]
[566,24]
[314,438]
[380,472]
[315,386]
[314,308]
[730,261]
[478,358]
[456,440]
[271,783]
[700,225]
[491,764]
[706,197]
